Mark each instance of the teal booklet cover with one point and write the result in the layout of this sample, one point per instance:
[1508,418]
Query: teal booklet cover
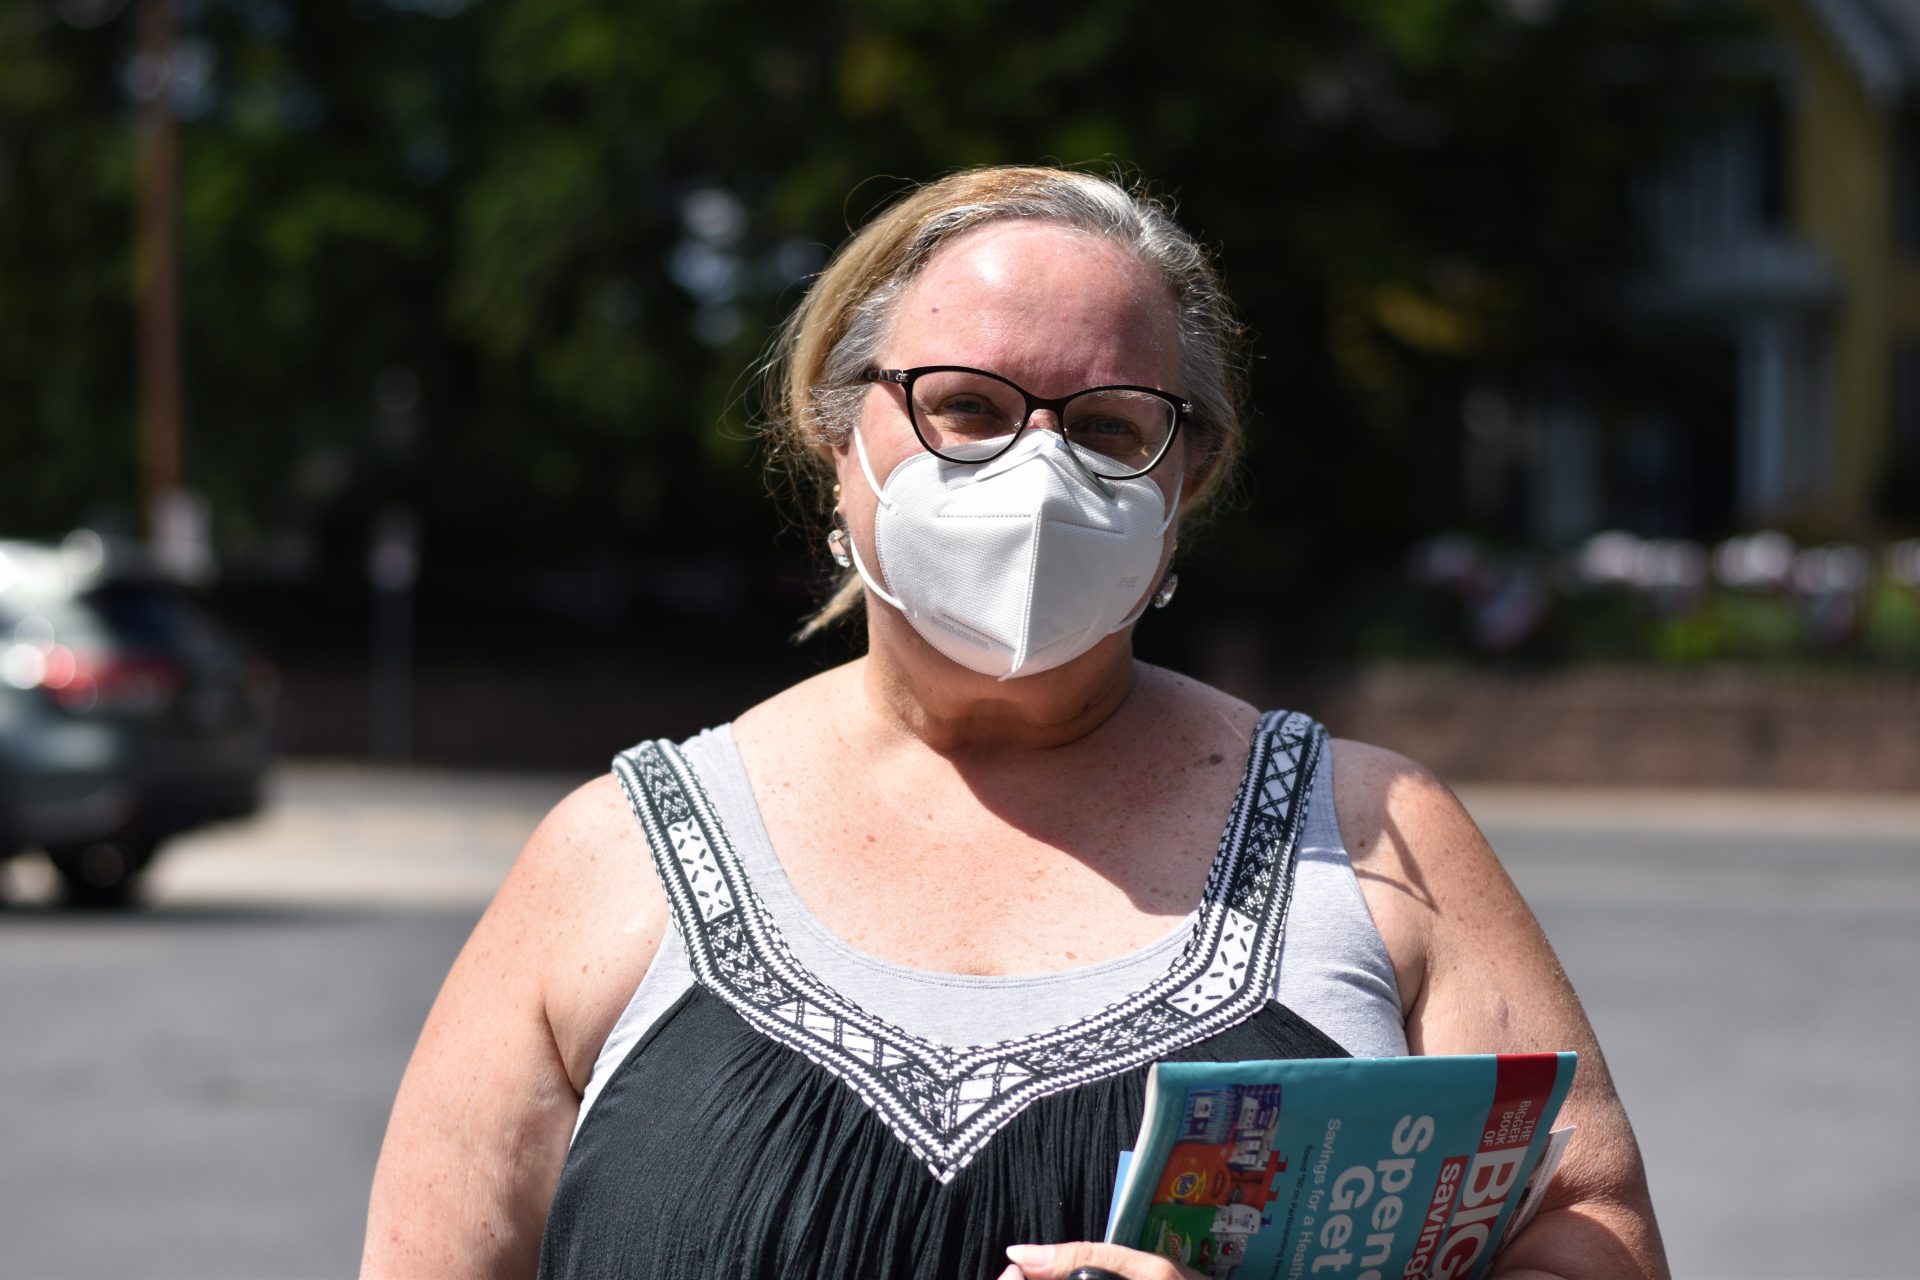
[1326,1168]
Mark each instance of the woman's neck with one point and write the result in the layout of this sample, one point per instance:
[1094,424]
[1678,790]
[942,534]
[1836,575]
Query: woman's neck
[917,692]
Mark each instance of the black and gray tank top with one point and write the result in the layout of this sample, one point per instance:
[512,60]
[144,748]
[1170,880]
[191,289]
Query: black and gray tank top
[774,1102]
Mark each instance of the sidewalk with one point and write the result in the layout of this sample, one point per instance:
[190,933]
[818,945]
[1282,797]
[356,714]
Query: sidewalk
[341,833]
[1729,811]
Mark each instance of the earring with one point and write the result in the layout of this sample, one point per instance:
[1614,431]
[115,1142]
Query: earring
[1163,595]
[837,548]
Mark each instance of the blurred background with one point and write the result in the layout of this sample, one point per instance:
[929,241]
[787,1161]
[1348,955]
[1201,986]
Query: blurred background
[376,398]
[419,336]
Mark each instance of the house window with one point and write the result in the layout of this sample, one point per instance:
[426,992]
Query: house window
[1908,179]
[1770,138]
[1723,184]
[1906,402]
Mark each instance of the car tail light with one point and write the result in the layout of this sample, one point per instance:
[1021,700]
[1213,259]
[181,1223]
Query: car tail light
[126,684]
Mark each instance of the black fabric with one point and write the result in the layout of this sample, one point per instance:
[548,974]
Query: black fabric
[715,1151]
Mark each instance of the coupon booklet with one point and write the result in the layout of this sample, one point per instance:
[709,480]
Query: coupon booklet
[1325,1168]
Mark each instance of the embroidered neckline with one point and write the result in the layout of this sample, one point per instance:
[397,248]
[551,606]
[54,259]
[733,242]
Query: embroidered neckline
[945,1102]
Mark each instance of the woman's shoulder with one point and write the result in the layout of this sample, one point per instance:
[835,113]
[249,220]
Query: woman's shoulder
[1382,797]
[592,824]
[584,901]
[1417,852]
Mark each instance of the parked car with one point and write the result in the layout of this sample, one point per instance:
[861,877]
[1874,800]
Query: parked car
[126,715]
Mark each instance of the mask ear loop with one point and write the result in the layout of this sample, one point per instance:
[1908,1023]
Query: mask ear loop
[853,544]
[1173,505]
[1173,510]
[866,468]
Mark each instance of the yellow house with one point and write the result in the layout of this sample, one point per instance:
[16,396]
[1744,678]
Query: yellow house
[1793,231]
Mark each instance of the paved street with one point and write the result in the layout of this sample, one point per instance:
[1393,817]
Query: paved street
[1749,966]
[199,1090]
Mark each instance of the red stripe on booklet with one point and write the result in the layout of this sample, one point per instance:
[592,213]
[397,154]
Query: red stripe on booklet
[1523,1083]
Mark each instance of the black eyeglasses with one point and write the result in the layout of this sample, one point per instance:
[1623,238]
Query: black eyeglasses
[970,415]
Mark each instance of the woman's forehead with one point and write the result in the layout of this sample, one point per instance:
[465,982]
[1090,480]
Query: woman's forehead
[1055,302]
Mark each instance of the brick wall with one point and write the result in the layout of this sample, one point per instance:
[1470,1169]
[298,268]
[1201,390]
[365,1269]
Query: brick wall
[1604,727]
[1632,727]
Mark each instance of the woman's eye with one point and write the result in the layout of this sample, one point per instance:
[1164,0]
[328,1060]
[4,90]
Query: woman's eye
[1106,429]
[968,406]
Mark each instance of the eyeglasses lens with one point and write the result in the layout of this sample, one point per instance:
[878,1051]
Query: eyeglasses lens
[1118,432]
[1114,433]
[956,409]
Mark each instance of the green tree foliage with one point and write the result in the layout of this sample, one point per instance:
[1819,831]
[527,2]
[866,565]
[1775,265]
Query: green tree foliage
[511,259]
[66,320]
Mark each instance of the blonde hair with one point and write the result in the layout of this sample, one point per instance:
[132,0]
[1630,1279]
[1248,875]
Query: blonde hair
[814,370]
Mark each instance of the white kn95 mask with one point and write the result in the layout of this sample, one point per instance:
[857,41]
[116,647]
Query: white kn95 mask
[1014,566]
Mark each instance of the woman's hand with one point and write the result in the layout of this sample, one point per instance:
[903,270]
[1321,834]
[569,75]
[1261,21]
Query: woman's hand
[1058,1261]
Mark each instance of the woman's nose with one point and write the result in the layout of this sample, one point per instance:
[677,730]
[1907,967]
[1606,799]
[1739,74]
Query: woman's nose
[1046,420]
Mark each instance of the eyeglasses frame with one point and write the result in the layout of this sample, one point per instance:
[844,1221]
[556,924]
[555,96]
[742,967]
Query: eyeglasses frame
[905,378]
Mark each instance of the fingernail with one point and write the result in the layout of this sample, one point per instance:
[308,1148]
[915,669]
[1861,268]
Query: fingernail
[1029,1255]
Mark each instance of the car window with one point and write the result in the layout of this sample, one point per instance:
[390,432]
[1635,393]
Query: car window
[137,616]
[144,617]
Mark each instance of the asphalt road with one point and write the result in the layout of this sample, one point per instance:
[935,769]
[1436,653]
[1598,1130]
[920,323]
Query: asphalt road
[198,1090]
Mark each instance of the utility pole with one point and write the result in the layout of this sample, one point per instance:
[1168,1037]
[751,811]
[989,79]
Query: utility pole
[156,271]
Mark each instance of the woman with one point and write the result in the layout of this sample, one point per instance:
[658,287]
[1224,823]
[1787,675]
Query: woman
[865,983]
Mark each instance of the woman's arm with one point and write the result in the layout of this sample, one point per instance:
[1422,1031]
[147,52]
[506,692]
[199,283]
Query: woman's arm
[485,1111]
[1478,976]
